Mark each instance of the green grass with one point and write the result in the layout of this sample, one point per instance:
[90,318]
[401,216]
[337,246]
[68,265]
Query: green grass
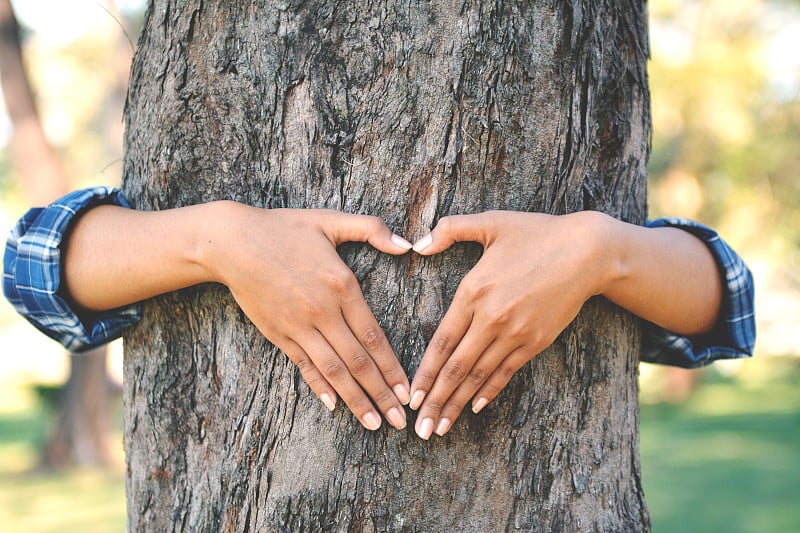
[728,459]
[91,501]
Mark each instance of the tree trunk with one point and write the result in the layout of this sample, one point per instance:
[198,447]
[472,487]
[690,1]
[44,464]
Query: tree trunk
[83,424]
[80,436]
[409,112]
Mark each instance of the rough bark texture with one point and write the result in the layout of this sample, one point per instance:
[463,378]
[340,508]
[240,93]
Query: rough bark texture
[408,111]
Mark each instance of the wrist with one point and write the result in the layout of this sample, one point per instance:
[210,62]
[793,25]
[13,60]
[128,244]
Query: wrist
[208,238]
[606,239]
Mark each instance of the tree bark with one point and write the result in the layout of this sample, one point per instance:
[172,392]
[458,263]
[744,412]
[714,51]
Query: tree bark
[409,112]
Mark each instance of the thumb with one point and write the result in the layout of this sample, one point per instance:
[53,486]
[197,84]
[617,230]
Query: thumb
[452,229]
[345,227]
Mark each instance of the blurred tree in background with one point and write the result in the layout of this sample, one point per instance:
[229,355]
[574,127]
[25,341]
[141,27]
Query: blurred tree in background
[78,123]
[725,82]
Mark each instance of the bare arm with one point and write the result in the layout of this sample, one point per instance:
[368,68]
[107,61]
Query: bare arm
[270,259]
[666,276]
[534,276]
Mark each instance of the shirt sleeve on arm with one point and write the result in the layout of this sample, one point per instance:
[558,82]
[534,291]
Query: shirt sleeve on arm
[32,274]
[734,334]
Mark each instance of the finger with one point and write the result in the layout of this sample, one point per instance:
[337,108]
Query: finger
[452,374]
[337,373]
[451,330]
[495,354]
[501,376]
[358,316]
[345,227]
[455,228]
[311,374]
[362,368]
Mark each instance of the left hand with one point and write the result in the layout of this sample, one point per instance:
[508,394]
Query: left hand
[535,274]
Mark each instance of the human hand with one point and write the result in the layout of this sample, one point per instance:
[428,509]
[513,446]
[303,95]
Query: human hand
[282,268]
[534,276]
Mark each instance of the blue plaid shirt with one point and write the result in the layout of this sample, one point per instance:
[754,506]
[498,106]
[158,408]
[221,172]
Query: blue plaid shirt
[32,283]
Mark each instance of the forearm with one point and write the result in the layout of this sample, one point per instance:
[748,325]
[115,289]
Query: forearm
[116,256]
[664,275]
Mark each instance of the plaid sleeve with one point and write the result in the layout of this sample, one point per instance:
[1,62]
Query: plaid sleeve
[32,274]
[735,332]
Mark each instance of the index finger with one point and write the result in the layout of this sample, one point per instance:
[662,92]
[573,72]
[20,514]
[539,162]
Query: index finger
[455,228]
[448,335]
[358,316]
[346,227]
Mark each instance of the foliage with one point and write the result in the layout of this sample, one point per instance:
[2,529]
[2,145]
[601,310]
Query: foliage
[725,84]
[726,113]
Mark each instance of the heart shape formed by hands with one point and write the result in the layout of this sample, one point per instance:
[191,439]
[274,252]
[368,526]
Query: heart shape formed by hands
[534,275]
[526,288]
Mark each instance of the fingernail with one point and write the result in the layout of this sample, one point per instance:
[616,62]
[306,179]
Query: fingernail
[425,428]
[423,243]
[396,417]
[480,404]
[416,399]
[399,241]
[328,401]
[401,392]
[444,425]
[372,421]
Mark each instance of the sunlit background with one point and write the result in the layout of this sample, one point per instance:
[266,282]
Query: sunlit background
[720,447]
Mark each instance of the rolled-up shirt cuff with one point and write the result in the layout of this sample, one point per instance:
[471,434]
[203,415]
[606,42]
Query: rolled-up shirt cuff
[32,275]
[734,334]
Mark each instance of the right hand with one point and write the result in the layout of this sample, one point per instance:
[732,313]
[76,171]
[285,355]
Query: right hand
[283,269]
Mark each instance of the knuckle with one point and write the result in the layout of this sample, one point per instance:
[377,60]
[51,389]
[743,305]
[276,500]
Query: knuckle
[520,329]
[445,225]
[360,405]
[312,379]
[340,280]
[424,378]
[455,371]
[540,342]
[454,408]
[312,306]
[434,405]
[360,364]
[491,390]
[475,287]
[304,364]
[374,224]
[477,376]
[372,339]
[384,397]
[507,371]
[334,369]
[499,316]
[443,344]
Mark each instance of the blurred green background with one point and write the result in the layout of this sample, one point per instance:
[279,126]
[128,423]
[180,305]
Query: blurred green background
[720,446]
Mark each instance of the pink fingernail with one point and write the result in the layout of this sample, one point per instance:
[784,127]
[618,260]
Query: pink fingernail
[329,402]
[401,242]
[416,399]
[444,425]
[401,392]
[425,429]
[396,417]
[480,404]
[423,243]
[372,421]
